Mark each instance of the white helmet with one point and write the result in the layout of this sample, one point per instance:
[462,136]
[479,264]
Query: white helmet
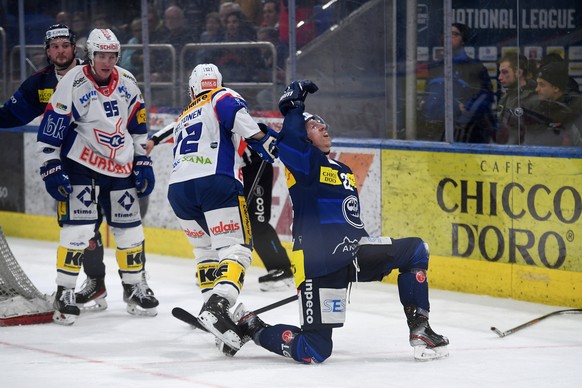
[204,77]
[102,40]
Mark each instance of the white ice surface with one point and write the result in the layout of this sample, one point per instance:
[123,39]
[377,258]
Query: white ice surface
[113,349]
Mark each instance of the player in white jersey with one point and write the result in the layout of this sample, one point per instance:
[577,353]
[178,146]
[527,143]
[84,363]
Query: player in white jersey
[206,192]
[92,149]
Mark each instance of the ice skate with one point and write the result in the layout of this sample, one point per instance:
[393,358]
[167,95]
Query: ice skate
[66,310]
[138,301]
[144,279]
[238,313]
[277,279]
[250,325]
[216,319]
[92,295]
[427,344]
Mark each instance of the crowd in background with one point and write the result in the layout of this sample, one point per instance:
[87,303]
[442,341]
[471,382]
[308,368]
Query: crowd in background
[181,22]
[483,113]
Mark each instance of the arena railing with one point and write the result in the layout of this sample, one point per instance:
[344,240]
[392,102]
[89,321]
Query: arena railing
[186,67]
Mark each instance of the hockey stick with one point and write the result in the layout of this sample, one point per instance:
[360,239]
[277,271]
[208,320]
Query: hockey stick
[192,320]
[533,321]
[256,181]
[276,304]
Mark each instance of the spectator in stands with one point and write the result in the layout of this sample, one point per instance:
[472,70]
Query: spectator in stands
[174,32]
[80,27]
[237,64]
[251,9]
[127,59]
[472,91]
[63,17]
[573,86]
[518,100]
[212,34]
[226,9]
[264,68]
[270,14]
[560,110]
[155,25]
[304,12]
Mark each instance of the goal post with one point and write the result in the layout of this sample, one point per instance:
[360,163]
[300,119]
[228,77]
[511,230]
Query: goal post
[21,303]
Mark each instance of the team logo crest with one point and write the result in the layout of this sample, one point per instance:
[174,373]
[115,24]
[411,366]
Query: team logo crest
[126,201]
[351,211]
[85,197]
[112,140]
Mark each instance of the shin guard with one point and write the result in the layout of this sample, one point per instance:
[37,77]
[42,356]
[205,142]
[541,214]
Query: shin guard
[69,263]
[130,261]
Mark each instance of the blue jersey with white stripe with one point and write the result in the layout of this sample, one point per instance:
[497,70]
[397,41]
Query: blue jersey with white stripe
[326,206]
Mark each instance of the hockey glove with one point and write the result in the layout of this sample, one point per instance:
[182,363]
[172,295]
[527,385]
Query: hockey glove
[56,181]
[294,95]
[267,146]
[143,173]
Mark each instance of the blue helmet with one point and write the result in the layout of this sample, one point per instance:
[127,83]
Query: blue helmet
[59,31]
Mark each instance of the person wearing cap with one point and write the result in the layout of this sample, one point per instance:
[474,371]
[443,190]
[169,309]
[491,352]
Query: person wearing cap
[559,110]
[31,98]
[474,121]
[331,248]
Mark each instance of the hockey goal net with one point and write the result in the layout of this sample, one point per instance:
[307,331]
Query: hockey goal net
[21,303]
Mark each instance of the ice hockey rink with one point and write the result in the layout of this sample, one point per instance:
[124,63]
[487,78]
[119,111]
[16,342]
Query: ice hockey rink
[112,348]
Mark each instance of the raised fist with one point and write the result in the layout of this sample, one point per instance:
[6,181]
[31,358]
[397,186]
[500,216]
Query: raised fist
[294,95]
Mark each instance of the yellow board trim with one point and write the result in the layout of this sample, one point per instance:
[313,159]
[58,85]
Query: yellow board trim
[527,283]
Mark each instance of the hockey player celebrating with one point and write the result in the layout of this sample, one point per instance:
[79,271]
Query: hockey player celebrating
[332,249]
[206,192]
[92,149]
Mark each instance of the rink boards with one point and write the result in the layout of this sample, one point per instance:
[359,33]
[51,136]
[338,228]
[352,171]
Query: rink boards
[499,220]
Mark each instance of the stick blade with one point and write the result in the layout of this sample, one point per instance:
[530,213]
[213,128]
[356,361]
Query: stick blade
[498,332]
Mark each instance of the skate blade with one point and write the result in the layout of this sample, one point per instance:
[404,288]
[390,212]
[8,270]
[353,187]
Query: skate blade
[95,305]
[238,313]
[224,349]
[141,312]
[277,285]
[64,319]
[422,353]
[229,337]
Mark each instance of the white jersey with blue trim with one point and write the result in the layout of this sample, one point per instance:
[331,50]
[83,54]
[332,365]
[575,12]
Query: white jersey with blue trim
[209,136]
[100,127]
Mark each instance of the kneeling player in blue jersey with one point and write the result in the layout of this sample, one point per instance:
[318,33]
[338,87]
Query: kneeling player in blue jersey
[332,248]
